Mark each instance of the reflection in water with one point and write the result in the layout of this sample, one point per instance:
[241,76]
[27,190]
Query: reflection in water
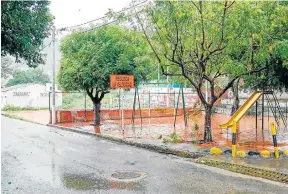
[248,137]
[88,182]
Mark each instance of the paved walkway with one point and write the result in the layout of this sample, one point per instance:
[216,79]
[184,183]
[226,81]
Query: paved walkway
[39,116]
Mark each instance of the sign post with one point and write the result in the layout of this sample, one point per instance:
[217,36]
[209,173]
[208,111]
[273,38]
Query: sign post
[122,82]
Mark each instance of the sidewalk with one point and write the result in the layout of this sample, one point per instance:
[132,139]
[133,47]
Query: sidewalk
[39,116]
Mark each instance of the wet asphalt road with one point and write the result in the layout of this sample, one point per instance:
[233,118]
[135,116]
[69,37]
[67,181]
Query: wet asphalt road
[40,159]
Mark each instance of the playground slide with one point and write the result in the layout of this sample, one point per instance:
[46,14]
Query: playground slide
[242,110]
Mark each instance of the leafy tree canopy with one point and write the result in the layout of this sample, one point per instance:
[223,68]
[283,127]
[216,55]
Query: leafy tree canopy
[6,67]
[205,41]
[28,76]
[275,74]
[88,59]
[24,25]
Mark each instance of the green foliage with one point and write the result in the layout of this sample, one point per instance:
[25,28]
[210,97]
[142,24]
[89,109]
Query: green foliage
[195,129]
[207,40]
[28,76]
[173,138]
[6,67]
[196,126]
[275,74]
[17,108]
[24,25]
[75,101]
[88,59]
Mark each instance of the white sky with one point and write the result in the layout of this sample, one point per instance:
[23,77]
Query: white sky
[73,12]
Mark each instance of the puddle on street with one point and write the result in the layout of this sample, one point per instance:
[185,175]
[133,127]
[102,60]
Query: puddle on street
[88,182]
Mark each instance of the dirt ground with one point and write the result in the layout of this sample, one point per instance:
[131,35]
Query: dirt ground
[153,128]
[248,138]
[41,116]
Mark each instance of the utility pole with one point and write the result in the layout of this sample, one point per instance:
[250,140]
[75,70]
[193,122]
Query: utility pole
[206,91]
[53,77]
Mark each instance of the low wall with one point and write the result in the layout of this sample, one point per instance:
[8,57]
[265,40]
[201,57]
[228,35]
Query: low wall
[65,116]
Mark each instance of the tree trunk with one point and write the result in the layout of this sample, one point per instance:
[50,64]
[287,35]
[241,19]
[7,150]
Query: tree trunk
[236,102]
[207,125]
[97,106]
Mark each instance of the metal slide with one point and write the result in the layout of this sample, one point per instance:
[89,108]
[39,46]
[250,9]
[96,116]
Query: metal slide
[237,116]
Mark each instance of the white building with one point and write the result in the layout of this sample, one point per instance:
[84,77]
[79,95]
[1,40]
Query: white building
[29,95]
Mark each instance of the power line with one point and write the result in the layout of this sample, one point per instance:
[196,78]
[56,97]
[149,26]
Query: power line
[106,24]
[97,27]
[46,45]
[103,16]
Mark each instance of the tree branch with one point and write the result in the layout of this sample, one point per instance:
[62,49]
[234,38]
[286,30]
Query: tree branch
[146,36]
[90,94]
[229,85]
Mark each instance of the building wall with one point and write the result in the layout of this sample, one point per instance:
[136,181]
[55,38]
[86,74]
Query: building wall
[31,95]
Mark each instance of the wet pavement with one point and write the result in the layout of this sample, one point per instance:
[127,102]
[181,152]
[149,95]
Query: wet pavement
[271,164]
[41,159]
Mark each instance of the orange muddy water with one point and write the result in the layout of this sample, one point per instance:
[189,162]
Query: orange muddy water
[248,138]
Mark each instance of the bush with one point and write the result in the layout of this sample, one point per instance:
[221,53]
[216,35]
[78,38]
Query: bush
[175,138]
[17,108]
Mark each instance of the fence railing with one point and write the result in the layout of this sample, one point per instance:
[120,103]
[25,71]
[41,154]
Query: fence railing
[116,100]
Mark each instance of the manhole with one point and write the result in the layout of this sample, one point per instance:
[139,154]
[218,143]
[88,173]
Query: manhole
[128,176]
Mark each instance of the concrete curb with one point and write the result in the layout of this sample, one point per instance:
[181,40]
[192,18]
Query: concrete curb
[156,148]
[196,156]
[251,171]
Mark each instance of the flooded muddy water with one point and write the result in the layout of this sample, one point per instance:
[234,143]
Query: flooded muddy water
[248,136]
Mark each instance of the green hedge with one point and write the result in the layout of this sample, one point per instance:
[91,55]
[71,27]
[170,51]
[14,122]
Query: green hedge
[17,108]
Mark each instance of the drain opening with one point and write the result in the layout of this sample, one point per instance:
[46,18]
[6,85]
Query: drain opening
[128,175]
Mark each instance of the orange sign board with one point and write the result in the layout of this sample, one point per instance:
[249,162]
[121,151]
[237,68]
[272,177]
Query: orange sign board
[121,81]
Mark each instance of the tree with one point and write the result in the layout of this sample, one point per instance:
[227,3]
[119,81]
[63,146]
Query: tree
[205,41]
[24,25]
[275,75]
[89,57]
[28,76]
[6,67]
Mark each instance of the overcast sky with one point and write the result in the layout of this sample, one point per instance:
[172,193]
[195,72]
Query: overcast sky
[73,12]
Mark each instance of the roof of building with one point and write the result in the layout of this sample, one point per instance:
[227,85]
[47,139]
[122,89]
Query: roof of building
[18,86]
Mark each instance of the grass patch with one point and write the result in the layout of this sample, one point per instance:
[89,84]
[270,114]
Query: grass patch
[17,108]
[173,138]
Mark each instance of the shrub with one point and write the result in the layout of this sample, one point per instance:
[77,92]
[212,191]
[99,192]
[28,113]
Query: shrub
[17,108]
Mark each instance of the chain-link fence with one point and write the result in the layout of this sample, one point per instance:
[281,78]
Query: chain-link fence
[117,99]
[127,104]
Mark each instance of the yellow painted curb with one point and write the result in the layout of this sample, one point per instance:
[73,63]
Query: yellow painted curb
[216,151]
[265,154]
[285,152]
[241,154]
